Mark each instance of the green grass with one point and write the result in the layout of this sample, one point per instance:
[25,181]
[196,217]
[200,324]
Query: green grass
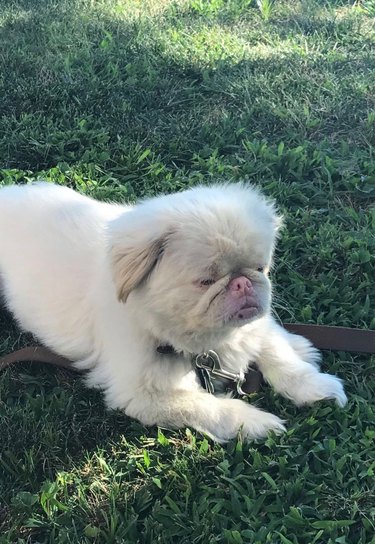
[121,99]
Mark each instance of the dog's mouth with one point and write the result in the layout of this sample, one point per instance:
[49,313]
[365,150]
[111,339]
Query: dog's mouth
[238,311]
[248,311]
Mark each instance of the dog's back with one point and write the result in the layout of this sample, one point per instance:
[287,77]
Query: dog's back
[51,242]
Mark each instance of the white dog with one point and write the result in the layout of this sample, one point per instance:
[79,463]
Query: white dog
[106,285]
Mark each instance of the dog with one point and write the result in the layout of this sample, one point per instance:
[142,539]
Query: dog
[134,293]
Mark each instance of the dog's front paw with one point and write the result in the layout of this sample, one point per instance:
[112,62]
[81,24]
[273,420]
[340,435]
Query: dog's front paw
[262,425]
[317,386]
[246,420]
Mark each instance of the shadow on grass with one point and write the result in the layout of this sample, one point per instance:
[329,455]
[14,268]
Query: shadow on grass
[84,87]
[45,435]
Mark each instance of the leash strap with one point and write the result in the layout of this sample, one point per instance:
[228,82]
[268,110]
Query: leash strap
[212,376]
[335,338]
[38,354]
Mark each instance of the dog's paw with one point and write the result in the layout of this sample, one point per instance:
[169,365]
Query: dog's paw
[261,426]
[245,420]
[317,386]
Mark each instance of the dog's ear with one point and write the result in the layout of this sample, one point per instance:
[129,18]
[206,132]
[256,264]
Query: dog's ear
[133,256]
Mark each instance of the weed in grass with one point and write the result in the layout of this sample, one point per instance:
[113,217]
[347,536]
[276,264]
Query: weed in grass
[265,8]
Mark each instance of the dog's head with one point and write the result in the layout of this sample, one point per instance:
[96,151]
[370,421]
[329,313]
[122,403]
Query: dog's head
[195,264]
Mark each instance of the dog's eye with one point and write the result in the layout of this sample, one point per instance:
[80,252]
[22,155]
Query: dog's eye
[260,269]
[207,282]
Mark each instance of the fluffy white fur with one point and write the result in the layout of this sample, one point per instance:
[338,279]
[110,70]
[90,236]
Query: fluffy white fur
[105,284]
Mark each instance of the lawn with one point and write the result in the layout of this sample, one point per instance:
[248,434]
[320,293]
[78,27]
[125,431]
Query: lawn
[126,98]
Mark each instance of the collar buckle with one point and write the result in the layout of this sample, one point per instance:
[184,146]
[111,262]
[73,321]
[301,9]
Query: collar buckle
[209,367]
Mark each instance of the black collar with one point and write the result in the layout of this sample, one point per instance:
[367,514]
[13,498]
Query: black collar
[166,349]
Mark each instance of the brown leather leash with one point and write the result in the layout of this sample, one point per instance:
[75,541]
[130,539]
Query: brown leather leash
[321,336]
[35,354]
[336,338]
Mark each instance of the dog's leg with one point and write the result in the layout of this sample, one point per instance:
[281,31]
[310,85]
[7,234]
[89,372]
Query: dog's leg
[219,418]
[290,364]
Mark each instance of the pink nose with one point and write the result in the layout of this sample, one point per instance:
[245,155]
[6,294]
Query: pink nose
[240,286]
